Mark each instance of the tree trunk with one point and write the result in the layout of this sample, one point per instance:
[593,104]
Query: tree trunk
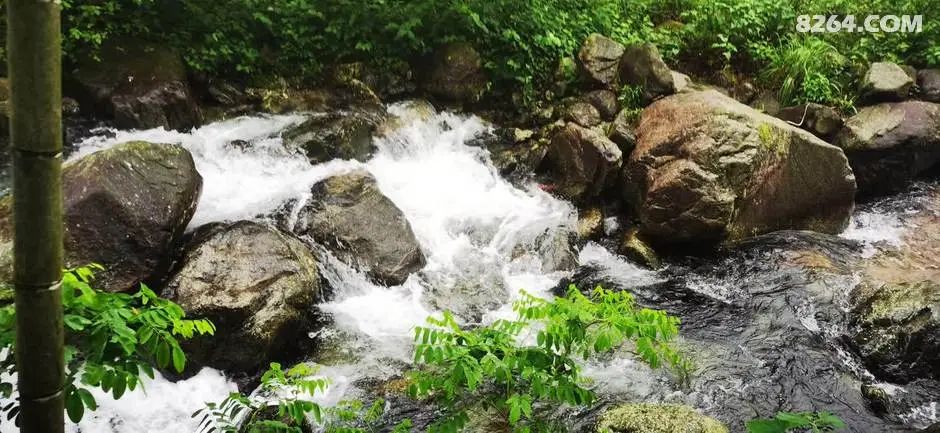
[35,71]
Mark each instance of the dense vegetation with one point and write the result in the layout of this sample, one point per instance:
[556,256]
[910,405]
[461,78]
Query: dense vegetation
[522,41]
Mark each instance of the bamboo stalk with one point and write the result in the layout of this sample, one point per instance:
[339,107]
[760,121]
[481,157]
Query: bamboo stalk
[35,70]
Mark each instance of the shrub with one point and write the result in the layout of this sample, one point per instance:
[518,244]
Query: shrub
[806,69]
[783,422]
[112,340]
[495,367]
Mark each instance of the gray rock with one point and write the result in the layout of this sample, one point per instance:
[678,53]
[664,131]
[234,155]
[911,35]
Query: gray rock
[342,135]
[891,143]
[140,85]
[583,114]
[349,215]
[257,285]
[824,122]
[126,207]
[622,133]
[929,82]
[605,101]
[708,168]
[898,329]
[584,162]
[456,74]
[599,58]
[643,66]
[885,81]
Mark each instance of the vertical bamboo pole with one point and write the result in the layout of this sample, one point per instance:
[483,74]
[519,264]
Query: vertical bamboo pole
[35,72]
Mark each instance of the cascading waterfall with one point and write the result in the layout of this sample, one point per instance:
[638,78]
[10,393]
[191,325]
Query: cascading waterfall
[477,231]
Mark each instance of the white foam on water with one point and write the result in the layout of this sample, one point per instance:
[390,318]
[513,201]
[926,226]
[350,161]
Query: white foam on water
[922,416]
[238,183]
[617,268]
[160,406]
[876,230]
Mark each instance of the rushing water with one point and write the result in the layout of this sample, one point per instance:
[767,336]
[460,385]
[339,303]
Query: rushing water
[765,334]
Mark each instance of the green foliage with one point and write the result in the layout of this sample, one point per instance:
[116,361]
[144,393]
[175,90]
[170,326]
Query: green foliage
[291,393]
[496,367]
[112,340]
[806,69]
[783,422]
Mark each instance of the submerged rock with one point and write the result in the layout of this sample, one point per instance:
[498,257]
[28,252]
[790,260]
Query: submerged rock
[657,418]
[890,144]
[599,58]
[643,66]
[351,217]
[708,168]
[899,330]
[456,74]
[257,285]
[140,85]
[885,81]
[126,207]
[583,161]
[328,136]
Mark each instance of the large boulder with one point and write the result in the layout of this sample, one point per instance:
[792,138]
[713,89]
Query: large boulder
[657,418]
[582,113]
[929,82]
[889,144]
[126,207]
[257,285]
[350,216]
[456,74]
[898,329]
[605,101]
[885,81]
[599,57]
[584,162]
[824,122]
[708,168]
[140,85]
[341,134]
[643,66]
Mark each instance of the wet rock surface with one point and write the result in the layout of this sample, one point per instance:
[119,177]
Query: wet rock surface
[126,207]
[350,216]
[890,144]
[707,169]
[335,135]
[257,285]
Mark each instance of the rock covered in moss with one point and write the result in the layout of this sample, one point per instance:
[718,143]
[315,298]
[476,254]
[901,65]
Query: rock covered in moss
[350,216]
[455,74]
[708,168]
[899,329]
[657,418]
[643,66]
[891,143]
[335,135]
[885,81]
[634,248]
[599,58]
[140,85]
[257,285]
[590,223]
[126,207]
[584,162]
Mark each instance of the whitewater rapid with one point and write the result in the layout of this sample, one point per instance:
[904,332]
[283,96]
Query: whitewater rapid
[473,226]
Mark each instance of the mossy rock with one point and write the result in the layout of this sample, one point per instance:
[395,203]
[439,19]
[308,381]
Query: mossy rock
[657,418]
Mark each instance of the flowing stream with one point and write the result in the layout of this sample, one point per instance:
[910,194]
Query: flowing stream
[765,335]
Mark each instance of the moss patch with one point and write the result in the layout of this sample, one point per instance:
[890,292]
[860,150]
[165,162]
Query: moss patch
[657,418]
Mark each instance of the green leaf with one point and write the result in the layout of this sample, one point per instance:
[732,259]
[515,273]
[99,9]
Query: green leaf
[179,359]
[74,407]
